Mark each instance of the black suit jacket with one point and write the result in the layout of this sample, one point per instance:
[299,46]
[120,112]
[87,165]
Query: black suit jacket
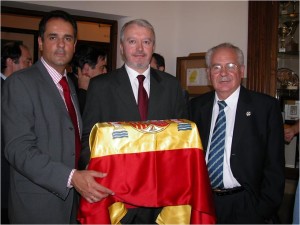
[110,98]
[81,93]
[4,172]
[257,152]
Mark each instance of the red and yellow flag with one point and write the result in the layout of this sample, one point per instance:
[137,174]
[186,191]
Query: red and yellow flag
[150,164]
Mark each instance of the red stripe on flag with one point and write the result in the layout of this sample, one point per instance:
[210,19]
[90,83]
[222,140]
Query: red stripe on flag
[153,179]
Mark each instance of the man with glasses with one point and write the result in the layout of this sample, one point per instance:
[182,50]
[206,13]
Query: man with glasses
[242,134]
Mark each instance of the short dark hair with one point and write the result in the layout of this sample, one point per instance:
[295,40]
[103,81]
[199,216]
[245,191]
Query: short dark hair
[60,15]
[10,50]
[160,61]
[86,54]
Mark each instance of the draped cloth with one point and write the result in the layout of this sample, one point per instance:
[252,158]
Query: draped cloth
[150,164]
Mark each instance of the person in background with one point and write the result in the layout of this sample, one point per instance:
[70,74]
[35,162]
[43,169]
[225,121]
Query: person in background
[14,56]
[87,63]
[41,127]
[290,131]
[113,97]
[246,161]
[158,62]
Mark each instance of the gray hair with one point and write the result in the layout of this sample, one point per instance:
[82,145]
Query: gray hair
[139,22]
[238,51]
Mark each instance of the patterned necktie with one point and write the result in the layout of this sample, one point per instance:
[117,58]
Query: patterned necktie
[63,82]
[142,98]
[217,146]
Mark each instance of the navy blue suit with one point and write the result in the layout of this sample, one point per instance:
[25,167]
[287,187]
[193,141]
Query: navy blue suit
[257,151]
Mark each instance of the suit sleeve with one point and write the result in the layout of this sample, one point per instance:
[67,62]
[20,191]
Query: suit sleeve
[272,187]
[21,118]
[90,116]
[181,104]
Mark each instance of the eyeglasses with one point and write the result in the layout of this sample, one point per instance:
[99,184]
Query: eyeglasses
[229,67]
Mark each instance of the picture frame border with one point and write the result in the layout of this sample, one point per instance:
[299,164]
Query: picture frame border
[33,45]
[194,60]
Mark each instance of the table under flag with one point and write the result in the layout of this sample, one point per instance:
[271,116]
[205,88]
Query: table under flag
[157,163]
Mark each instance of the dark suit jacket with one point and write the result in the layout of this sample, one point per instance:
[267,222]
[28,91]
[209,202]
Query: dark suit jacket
[257,152]
[81,93]
[4,171]
[40,147]
[110,98]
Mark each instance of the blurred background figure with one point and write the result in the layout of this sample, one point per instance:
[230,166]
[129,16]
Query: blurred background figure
[87,63]
[290,131]
[158,62]
[14,56]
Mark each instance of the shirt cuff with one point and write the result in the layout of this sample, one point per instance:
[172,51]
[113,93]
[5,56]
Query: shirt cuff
[69,185]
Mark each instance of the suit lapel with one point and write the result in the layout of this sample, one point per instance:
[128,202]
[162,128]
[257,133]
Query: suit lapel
[243,114]
[50,85]
[206,120]
[156,91]
[124,91]
[52,89]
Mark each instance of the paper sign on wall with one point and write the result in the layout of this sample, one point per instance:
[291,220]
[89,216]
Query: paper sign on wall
[197,77]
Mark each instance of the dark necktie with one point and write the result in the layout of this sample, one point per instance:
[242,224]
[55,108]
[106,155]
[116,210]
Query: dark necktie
[142,98]
[63,82]
[217,146]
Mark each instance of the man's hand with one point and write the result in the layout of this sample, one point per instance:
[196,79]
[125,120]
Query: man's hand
[83,80]
[84,182]
[290,131]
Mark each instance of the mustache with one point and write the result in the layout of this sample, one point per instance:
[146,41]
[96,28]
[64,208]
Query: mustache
[139,54]
[60,51]
[225,79]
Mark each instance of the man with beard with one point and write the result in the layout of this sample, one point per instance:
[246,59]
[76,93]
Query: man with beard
[113,97]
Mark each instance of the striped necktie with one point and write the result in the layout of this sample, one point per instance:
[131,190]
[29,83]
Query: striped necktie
[217,146]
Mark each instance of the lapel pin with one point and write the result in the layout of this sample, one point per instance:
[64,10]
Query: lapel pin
[248,113]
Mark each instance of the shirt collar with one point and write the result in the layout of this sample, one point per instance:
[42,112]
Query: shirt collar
[3,76]
[232,100]
[133,74]
[56,76]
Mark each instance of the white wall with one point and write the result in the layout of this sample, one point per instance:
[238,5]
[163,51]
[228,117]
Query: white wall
[181,27]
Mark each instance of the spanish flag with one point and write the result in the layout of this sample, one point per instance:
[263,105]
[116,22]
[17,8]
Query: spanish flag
[150,164]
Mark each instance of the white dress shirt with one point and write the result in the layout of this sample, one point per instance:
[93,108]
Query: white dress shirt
[135,83]
[230,111]
[3,76]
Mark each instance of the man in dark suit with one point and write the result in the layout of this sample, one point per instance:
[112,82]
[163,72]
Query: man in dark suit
[252,170]
[14,56]
[114,96]
[40,134]
[87,63]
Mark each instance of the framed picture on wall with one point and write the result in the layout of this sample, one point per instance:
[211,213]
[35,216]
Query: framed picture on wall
[191,72]
[26,37]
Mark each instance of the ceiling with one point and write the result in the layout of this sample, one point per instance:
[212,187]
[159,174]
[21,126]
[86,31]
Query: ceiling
[44,8]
